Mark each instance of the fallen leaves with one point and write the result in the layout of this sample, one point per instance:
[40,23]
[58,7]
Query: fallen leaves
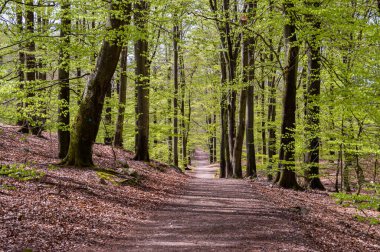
[68,209]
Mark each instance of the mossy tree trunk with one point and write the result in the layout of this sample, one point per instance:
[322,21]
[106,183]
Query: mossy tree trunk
[86,123]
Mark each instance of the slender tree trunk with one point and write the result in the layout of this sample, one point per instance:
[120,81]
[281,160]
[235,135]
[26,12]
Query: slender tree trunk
[223,119]
[263,123]
[86,123]
[375,168]
[288,176]
[312,107]
[176,38]
[142,83]
[118,139]
[183,116]
[21,121]
[272,150]
[64,86]
[249,46]
[108,117]
[214,139]
[30,62]
[238,143]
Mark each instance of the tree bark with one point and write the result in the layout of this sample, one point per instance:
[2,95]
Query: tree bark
[64,86]
[176,38]
[30,74]
[86,123]
[142,83]
[250,72]
[288,176]
[223,119]
[118,139]
[108,117]
[21,75]
[312,105]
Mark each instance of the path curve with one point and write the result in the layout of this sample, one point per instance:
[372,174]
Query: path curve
[217,215]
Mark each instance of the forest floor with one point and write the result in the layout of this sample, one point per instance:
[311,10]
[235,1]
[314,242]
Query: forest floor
[69,209]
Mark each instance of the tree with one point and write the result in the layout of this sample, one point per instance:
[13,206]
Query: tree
[176,38]
[118,139]
[249,74]
[142,82]
[312,104]
[86,123]
[288,176]
[63,77]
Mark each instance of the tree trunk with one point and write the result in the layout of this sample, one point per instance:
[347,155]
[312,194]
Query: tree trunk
[250,72]
[108,117]
[263,124]
[64,86]
[312,106]
[21,75]
[238,143]
[118,139]
[183,116]
[86,123]
[176,38]
[30,61]
[142,83]
[288,176]
[214,139]
[271,110]
[223,119]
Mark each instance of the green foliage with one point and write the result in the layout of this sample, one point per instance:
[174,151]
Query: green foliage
[7,187]
[20,172]
[362,202]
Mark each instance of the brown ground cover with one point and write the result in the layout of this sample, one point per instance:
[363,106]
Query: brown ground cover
[69,208]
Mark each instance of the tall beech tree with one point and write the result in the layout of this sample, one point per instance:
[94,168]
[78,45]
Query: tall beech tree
[141,14]
[30,70]
[63,77]
[21,120]
[230,39]
[176,38]
[312,101]
[287,177]
[249,75]
[86,123]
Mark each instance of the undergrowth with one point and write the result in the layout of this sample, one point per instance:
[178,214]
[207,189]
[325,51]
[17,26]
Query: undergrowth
[19,172]
[362,202]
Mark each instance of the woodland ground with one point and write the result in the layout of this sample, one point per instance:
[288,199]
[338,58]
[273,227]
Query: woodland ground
[71,209]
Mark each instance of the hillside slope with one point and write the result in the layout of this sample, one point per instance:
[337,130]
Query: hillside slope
[65,208]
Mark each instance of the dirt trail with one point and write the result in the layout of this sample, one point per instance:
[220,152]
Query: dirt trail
[216,215]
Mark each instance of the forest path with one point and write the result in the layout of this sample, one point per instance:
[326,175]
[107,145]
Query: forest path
[216,215]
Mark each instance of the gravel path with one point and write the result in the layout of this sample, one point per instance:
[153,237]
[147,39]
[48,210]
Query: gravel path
[217,215]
